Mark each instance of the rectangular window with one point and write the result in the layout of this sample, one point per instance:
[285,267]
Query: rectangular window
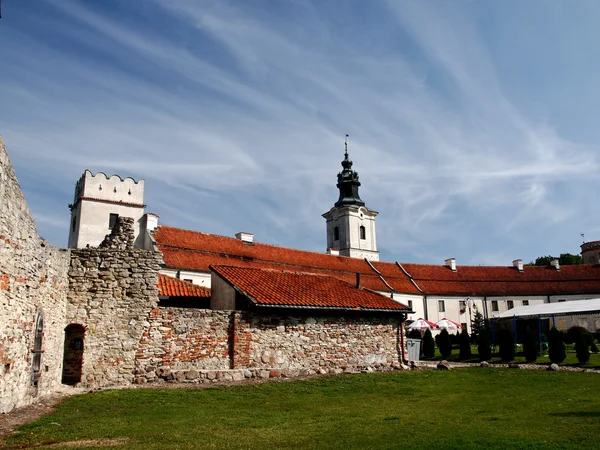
[410,304]
[188,280]
[510,304]
[561,300]
[464,325]
[494,305]
[462,305]
[525,302]
[441,306]
[112,220]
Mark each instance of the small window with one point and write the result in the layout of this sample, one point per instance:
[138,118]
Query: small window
[560,300]
[363,232]
[464,325]
[441,306]
[74,223]
[494,305]
[410,304]
[510,304]
[188,280]
[112,220]
[336,234]
[525,302]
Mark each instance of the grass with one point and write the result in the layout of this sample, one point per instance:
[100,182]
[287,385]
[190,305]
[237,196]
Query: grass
[570,360]
[464,408]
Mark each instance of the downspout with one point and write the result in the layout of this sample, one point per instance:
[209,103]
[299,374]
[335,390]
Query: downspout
[425,308]
[403,356]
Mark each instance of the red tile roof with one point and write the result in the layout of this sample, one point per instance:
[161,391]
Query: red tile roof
[269,287]
[174,287]
[184,249]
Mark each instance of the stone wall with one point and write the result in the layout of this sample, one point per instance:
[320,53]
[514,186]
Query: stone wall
[112,292]
[33,280]
[207,345]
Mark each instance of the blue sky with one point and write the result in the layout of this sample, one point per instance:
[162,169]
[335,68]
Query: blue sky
[473,125]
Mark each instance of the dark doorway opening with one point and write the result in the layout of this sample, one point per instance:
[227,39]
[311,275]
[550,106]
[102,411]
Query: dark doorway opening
[73,360]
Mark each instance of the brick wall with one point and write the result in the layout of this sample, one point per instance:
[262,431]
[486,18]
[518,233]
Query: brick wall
[33,280]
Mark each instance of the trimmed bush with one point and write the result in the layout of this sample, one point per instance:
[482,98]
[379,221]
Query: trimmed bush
[581,349]
[443,342]
[593,348]
[428,345]
[530,346]
[507,345]
[556,346]
[414,334]
[484,347]
[465,345]
[574,332]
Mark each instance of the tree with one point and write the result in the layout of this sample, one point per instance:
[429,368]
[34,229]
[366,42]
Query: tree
[507,345]
[556,346]
[443,342]
[565,259]
[428,345]
[414,334]
[484,347]
[530,346]
[477,326]
[581,349]
[465,345]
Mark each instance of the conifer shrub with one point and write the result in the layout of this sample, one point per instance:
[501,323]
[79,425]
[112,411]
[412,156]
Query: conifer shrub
[574,332]
[414,334]
[428,345]
[465,345]
[507,345]
[593,347]
[530,346]
[443,342]
[556,346]
[484,347]
[581,349]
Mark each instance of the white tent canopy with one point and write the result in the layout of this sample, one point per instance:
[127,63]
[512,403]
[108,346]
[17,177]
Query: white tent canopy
[590,306]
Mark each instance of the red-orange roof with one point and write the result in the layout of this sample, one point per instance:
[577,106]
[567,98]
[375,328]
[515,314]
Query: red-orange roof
[174,287]
[269,287]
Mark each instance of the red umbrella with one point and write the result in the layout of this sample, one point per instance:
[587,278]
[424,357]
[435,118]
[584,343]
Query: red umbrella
[448,324]
[422,324]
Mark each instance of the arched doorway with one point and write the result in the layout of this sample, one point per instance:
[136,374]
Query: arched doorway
[73,359]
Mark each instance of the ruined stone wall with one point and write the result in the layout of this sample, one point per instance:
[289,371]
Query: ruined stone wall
[207,345]
[33,279]
[111,294]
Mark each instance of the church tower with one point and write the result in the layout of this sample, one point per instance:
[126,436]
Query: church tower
[350,224]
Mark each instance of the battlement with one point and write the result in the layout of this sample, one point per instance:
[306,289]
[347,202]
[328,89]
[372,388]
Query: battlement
[112,189]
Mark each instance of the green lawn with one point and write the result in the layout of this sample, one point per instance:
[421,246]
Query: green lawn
[464,408]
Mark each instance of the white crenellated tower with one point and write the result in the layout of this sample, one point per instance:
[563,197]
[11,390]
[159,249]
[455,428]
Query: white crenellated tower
[350,224]
[98,202]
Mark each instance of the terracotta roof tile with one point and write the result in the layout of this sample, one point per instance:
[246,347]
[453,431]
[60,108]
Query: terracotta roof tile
[174,287]
[293,289]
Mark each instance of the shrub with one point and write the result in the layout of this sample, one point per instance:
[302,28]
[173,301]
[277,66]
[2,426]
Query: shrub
[443,342]
[484,347]
[414,334]
[507,345]
[593,348]
[556,346]
[428,345]
[574,332]
[465,345]
[581,349]
[477,326]
[530,346]
[455,339]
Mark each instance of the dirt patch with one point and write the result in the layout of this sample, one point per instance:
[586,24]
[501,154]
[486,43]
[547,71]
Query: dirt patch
[77,444]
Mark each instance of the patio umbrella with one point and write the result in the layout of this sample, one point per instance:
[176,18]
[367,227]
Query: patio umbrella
[422,324]
[448,324]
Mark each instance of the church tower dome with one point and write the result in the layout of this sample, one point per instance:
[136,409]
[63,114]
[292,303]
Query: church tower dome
[350,224]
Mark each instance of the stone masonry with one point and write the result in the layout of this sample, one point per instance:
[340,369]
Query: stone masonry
[33,280]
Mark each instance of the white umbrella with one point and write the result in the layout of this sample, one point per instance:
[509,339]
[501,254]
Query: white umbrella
[448,324]
[422,324]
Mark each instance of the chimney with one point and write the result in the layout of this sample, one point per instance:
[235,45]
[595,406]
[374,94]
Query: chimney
[333,251]
[518,263]
[151,221]
[451,262]
[357,280]
[246,238]
[555,264]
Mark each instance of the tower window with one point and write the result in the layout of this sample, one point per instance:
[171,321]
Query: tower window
[112,220]
[363,232]
[336,234]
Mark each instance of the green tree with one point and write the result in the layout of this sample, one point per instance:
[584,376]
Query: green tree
[465,345]
[443,342]
[428,345]
[565,259]
[581,349]
[484,347]
[507,345]
[530,346]
[556,346]
[414,334]
[477,326]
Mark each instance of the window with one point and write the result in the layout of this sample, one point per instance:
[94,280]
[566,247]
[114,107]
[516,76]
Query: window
[462,305]
[560,300]
[441,306]
[525,302]
[464,325]
[410,304]
[494,305]
[510,304]
[37,348]
[112,220]
[188,280]
[336,234]
[363,232]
